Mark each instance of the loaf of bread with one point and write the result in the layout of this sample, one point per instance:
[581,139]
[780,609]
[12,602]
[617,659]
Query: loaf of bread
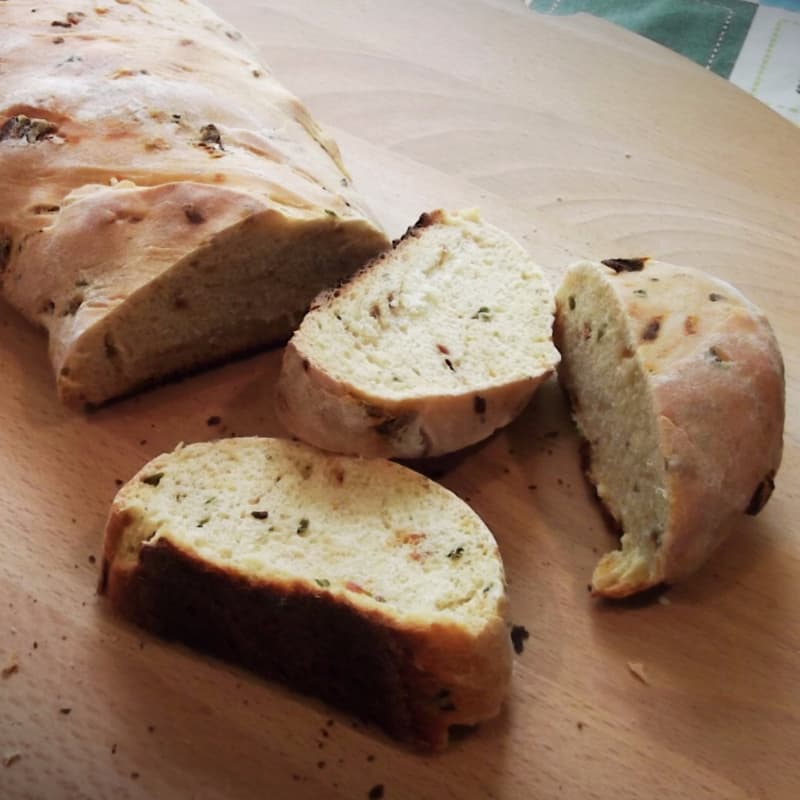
[430,348]
[361,582]
[676,383]
[166,202]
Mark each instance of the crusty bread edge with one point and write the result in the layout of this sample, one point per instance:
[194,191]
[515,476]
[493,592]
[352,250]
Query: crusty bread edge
[335,417]
[341,418]
[139,582]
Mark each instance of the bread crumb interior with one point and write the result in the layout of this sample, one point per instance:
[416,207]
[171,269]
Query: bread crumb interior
[458,306]
[613,408]
[280,512]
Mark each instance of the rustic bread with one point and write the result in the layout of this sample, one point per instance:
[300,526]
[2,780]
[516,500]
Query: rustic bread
[363,583]
[676,383]
[166,202]
[430,348]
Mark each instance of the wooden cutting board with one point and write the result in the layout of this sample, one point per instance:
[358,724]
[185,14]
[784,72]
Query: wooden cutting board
[580,139]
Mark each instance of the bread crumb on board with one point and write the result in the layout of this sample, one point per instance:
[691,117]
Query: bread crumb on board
[519,635]
[11,666]
[10,758]
[636,668]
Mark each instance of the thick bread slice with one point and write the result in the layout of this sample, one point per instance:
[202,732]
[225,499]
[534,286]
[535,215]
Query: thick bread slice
[360,582]
[430,348]
[677,386]
[167,203]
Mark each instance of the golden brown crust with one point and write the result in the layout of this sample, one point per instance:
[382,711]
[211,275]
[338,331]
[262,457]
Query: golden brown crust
[342,419]
[118,522]
[426,220]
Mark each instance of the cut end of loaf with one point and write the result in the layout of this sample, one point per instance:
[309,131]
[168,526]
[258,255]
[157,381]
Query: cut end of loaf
[362,583]
[676,384]
[207,295]
[603,373]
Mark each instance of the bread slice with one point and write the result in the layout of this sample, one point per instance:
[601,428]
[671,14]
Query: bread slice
[430,348]
[363,583]
[676,383]
[167,203]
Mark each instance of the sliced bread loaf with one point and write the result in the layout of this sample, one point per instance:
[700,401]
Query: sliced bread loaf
[676,384]
[430,348]
[363,583]
[167,203]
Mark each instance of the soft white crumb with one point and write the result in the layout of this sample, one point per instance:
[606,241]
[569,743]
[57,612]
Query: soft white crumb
[664,600]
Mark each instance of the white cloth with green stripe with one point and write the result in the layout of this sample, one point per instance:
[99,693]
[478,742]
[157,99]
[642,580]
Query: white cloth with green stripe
[755,45]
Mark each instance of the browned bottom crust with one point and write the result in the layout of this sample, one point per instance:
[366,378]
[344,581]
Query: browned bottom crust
[308,641]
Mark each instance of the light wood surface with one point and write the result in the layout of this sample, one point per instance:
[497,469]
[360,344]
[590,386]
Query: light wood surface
[580,139]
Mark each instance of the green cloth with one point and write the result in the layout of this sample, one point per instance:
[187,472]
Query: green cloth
[709,32]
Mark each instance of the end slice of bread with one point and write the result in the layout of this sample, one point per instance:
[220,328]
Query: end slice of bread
[430,348]
[362,583]
[676,383]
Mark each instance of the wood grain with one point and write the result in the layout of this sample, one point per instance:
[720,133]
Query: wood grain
[580,139]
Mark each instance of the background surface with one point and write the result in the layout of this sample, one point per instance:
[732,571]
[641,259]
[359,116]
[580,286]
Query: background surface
[754,44]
